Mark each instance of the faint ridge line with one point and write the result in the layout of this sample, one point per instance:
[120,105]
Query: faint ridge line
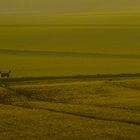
[67,54]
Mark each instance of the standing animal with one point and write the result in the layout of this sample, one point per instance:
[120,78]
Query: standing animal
[5,74]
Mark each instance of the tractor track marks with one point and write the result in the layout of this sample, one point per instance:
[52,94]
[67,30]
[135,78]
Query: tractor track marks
[90,117]
[28,106]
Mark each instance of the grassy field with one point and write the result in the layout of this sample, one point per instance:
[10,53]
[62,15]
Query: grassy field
[75,70]
[70,108]
[74,108]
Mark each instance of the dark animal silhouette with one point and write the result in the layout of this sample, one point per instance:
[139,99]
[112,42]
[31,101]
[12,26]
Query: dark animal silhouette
[4,74]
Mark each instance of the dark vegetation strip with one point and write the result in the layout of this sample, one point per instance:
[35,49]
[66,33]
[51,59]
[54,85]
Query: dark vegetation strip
[117,107]
[66,112]
[90,117]
[27,106]
[69,25]
[29,96]
[67,54]
[108,77]
[132,87]
[76,114]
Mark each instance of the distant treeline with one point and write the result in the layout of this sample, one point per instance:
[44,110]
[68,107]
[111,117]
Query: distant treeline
[76,77]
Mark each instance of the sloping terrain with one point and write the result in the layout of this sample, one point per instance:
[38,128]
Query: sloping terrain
[70,109]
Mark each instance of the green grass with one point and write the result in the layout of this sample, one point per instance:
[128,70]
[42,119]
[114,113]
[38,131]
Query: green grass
[92,107]
[119,37]
[29,66]
[70,109]
[110,33]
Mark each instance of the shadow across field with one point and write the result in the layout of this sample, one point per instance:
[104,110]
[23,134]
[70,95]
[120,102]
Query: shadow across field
[67,54]
[24,99]
[91,117]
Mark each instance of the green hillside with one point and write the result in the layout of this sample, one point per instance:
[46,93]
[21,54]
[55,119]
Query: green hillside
[86,32]
[111,39]
[69,70]
[40,38]
[58,109]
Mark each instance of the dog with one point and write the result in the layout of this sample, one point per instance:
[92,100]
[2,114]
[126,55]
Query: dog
[4,74]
